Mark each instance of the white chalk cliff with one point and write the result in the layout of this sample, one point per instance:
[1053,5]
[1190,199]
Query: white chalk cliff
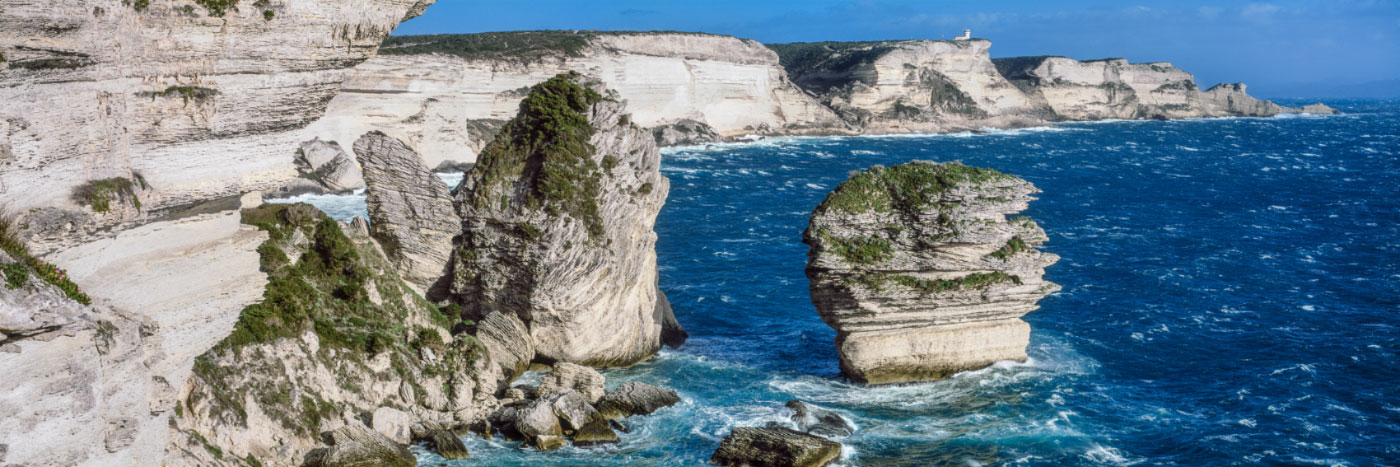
[448,105]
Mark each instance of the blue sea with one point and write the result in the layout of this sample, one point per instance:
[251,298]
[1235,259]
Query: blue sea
[1231,297]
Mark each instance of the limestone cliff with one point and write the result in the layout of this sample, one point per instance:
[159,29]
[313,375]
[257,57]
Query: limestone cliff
[447,95]
[202,97]
[1114,88]
[920,272]
[557,227]
[410,210]
[910,86]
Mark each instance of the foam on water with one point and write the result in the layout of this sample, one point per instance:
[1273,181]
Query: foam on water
[1229,297]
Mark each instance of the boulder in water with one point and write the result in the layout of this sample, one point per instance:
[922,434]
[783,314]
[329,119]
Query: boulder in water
[568,376]
[775,447]
[357,445]
[636,398]
[820,421]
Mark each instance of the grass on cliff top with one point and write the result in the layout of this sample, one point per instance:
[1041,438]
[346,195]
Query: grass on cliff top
[516,46]
[546,146]
[17,274]
[908,188]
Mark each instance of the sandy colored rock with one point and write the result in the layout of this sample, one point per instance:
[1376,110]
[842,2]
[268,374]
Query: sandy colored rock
[410,210]
[324,167]
[561,235]
[394,424]
[538,424]
[636,398]
[564,376]
[920,272]
[356,445]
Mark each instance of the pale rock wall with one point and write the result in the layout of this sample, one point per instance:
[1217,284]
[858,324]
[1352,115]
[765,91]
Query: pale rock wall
[75,70]
[433,101]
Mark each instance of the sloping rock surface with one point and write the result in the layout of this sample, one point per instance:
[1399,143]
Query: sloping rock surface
[774,447]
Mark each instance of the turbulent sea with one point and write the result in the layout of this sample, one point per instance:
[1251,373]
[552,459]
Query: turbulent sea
[1231,296]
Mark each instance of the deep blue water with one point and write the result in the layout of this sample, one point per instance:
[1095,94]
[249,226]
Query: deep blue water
[1231,290]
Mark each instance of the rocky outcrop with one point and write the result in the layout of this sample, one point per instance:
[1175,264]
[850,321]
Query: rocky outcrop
[636,398]
[910,86]
[1114,88]
[921,274]
[684,133]
[446,444]
[448,94]
[337,336]
[1231,100]
[356,445]
[775,447]
[323,167]
[557,228]
[205,99]
[410,210]
[819,421]
[565,376]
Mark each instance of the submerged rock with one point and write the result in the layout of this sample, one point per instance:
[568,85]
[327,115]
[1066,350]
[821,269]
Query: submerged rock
[636,398]
[357,445]
[921,274]
[775,447]
[819,421]
[410,209]
[557,227]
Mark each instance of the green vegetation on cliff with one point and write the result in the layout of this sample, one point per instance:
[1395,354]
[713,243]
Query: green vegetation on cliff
[547,147]
[18,273]
[908,188]
[522,46]
[975,281]
[99,194]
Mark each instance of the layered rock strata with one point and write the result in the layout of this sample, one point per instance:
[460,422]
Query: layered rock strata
[410,210]
[910,86]
[448,94]
[557,228]
[1114,88]
[205,99]
[323,167]
[920,272]
[774,447]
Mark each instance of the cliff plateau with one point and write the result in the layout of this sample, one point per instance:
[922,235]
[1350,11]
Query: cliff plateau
[921,274]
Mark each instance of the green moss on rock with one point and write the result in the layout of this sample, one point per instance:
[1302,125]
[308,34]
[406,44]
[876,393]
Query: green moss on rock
[99,194]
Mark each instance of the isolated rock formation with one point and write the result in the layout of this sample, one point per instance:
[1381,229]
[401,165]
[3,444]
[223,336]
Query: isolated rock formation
[1230,99]
[323,167]
[774,447]
[447,95]
[921,274]
[557,228]
[684,133]
[410,210]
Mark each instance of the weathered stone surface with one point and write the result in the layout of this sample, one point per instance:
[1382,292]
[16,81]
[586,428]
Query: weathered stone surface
[596,432]
[568,376]
[775,447]
[921,274]
[410,209]
[557,228]
[1230,99]
[394,424]
[636,398]
[538,424]
[509,343]
[323,167]
[672,334]
[820,421]
[573,410]
[449,107]
[206,104]
[356,445]
[447,444]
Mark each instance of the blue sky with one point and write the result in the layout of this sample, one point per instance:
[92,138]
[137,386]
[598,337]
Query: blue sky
[1280,48]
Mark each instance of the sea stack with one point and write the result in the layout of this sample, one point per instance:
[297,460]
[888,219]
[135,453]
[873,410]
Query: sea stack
[557,228]
[920,272]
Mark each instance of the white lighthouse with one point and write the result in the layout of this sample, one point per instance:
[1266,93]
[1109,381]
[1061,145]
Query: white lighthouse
[967,34]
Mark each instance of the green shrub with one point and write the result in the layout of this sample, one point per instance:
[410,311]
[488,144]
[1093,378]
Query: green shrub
[609,162]
[99,194]
[15,275]
[12,244]
[908,188]
[976,281]
[863,250]
[1011,248]
[645,189]
[218,7]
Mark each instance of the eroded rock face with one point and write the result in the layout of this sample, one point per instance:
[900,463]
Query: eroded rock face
[449,104]
[206,102]
[683,133]
[323,167]
[774,447]
[557,228]
[921,274]
[410,210]
[356,445]
[565,376]
[636,398]
[1230,99]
